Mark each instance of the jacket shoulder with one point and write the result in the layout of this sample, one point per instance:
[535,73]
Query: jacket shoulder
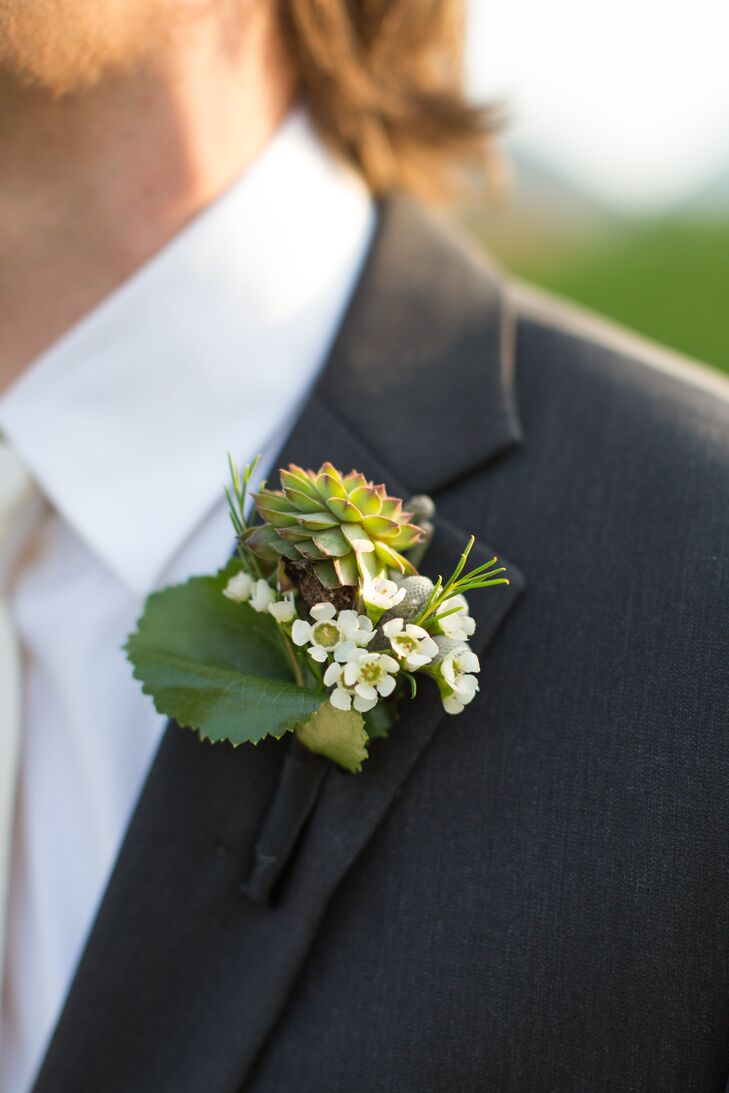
[603,378]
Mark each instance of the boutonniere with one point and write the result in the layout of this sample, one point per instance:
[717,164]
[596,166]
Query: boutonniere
[320,625]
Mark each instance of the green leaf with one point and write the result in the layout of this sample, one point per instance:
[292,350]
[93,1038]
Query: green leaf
[296,478]
[327,574]
[338,734]
[286,550]
[301,501]
[344,510]
[358,538]
[408,535]
[367,500]
[216,666]
[316,521]
[354,481]
[380,719]
[273,499]
[391,508]
[392,558]
[260,539]
[327,485]
[276,517]
[332,543]
[346,569]
[380,526]
[310,551]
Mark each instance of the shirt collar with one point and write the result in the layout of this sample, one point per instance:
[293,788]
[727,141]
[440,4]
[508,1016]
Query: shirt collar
[208,348]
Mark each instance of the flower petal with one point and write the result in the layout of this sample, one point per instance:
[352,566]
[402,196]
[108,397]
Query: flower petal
[350,674]
[239,587]
[332,675]
[300,632]
[386,686]
[282,610]
[362,705]
[323,612]
[341,699]
[469,661]
[344,650]
[452,705]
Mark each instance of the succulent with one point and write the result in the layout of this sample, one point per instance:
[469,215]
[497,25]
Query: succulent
[341,528]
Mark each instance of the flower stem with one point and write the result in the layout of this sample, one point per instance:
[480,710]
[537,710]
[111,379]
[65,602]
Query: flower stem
[293,659]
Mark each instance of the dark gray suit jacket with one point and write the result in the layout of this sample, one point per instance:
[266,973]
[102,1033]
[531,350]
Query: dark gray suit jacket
[531,897]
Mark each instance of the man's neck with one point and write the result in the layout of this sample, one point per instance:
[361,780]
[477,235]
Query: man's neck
[93,183]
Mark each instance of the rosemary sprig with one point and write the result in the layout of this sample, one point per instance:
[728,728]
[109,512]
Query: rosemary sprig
[237,496]
[483,576]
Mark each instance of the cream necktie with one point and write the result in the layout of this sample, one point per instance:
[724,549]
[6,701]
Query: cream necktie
[21,506]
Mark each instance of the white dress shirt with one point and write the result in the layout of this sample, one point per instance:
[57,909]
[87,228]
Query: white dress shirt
[125,422]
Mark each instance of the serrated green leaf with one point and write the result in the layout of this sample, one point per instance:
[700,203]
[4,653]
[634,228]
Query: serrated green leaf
[338,734]
[216,666]
[379,720]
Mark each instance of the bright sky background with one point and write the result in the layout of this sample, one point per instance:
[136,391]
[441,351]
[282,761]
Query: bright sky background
[629,98]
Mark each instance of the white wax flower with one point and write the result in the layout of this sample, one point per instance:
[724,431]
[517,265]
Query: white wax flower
[239,587]
[382,594]
[330,633]
[262,595]
[362,680]
[283,610]
[461,685]
[411,643]
[457,625]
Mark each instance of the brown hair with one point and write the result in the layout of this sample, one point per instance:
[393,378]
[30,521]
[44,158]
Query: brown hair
[383,80]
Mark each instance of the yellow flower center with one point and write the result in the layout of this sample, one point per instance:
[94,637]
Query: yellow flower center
[370,672]
[326,634]
[406,643]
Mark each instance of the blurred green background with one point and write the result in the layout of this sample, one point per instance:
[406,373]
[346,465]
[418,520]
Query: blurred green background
[666,277]
[617,143]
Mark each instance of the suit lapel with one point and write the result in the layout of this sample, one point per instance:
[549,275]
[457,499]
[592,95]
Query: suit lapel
[183,976]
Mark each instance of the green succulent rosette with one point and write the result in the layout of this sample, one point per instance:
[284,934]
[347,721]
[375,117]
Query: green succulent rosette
[343,528]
